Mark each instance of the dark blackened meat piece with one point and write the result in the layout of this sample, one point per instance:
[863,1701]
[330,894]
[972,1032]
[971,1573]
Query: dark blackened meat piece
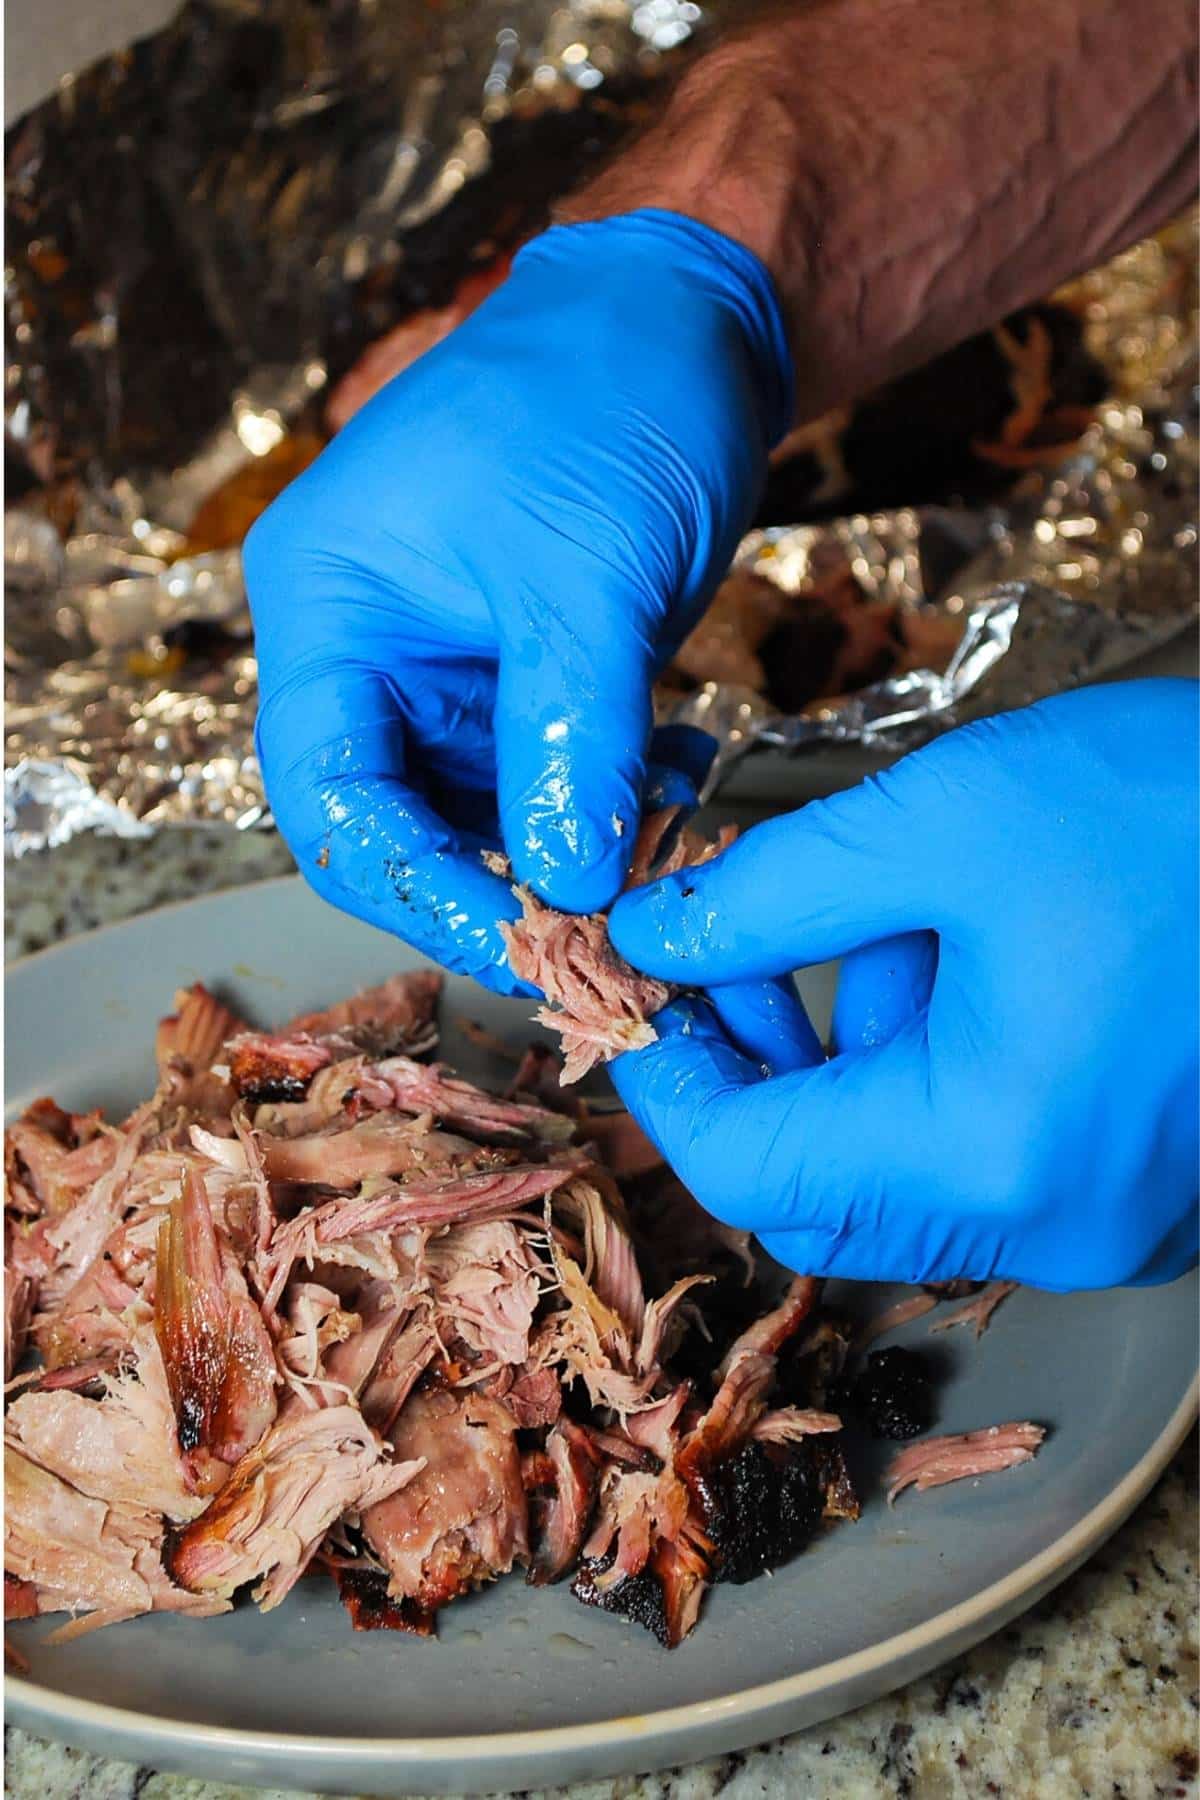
[761,1508]
[364,1594]
[951,1290]
[892,1396]
[639,1597]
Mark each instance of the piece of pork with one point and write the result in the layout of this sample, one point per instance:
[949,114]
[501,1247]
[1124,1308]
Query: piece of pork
[604,1332]
[534,1398]
[383,1144]
[139,1175]
[768,1334]
[788,1424]
[662,1535]
[562,1516]
[120,1448]
[398,1015]
[977,1311]
[601,1006]
[892,1317]
[931,1462]
[268,1520]
[266,1066]
[219,1361]
[98,1314]
[451,1201]
[432,1089]
[405,1358]
[315,1322]
[85,1555]
[20,1299]
[374,1354]
[49,1171]
[188,1043]
[486,1281]
[463,1519]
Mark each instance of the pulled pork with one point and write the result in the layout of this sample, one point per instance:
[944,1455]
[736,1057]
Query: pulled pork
[320,1305]
[599,1005]
[936,1460]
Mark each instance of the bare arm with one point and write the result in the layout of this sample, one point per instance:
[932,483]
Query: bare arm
[912,170]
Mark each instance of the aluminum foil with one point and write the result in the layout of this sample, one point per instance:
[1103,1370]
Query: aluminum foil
[204,230]
[1088,570]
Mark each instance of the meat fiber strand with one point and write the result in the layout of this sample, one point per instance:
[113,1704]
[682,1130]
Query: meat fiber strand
[932,1462]
[977,1311]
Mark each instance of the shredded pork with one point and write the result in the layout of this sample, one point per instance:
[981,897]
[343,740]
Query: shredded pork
[600,1006]
[320,1305]
[933,1461]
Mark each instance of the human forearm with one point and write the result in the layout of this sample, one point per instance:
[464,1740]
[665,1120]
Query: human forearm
[912,170]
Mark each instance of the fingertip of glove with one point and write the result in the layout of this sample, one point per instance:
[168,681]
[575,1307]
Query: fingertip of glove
[575,858]
[645,927]
[577,886]
[684,1020]
[666,786]
[685,1017]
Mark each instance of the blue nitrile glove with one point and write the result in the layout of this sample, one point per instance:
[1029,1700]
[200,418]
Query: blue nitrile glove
[1017,1097]
[461,606]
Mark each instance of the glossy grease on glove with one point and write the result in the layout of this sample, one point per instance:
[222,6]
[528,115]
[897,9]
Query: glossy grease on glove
[460,608]
[1015,1097]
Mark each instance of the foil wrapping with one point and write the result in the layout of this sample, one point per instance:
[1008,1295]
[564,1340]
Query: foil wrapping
[204,231]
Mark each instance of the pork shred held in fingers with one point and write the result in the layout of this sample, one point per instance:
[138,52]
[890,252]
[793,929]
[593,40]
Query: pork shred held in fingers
[595,1000]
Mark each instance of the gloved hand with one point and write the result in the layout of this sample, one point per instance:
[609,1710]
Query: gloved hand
[461,606]
[1016,1096]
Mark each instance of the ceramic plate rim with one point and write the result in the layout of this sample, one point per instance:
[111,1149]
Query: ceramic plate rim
[43,1707]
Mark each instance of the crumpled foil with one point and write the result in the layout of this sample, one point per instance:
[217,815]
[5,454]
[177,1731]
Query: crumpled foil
[206,229]
[1093,567]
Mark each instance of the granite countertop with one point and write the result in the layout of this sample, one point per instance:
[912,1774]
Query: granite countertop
[1094,1692]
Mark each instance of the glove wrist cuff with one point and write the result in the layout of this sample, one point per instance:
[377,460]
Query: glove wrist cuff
[707,264]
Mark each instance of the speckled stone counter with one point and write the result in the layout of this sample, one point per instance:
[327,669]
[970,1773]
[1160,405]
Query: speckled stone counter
[1094,1693]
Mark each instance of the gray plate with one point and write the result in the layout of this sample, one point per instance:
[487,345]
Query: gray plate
[526,1688]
